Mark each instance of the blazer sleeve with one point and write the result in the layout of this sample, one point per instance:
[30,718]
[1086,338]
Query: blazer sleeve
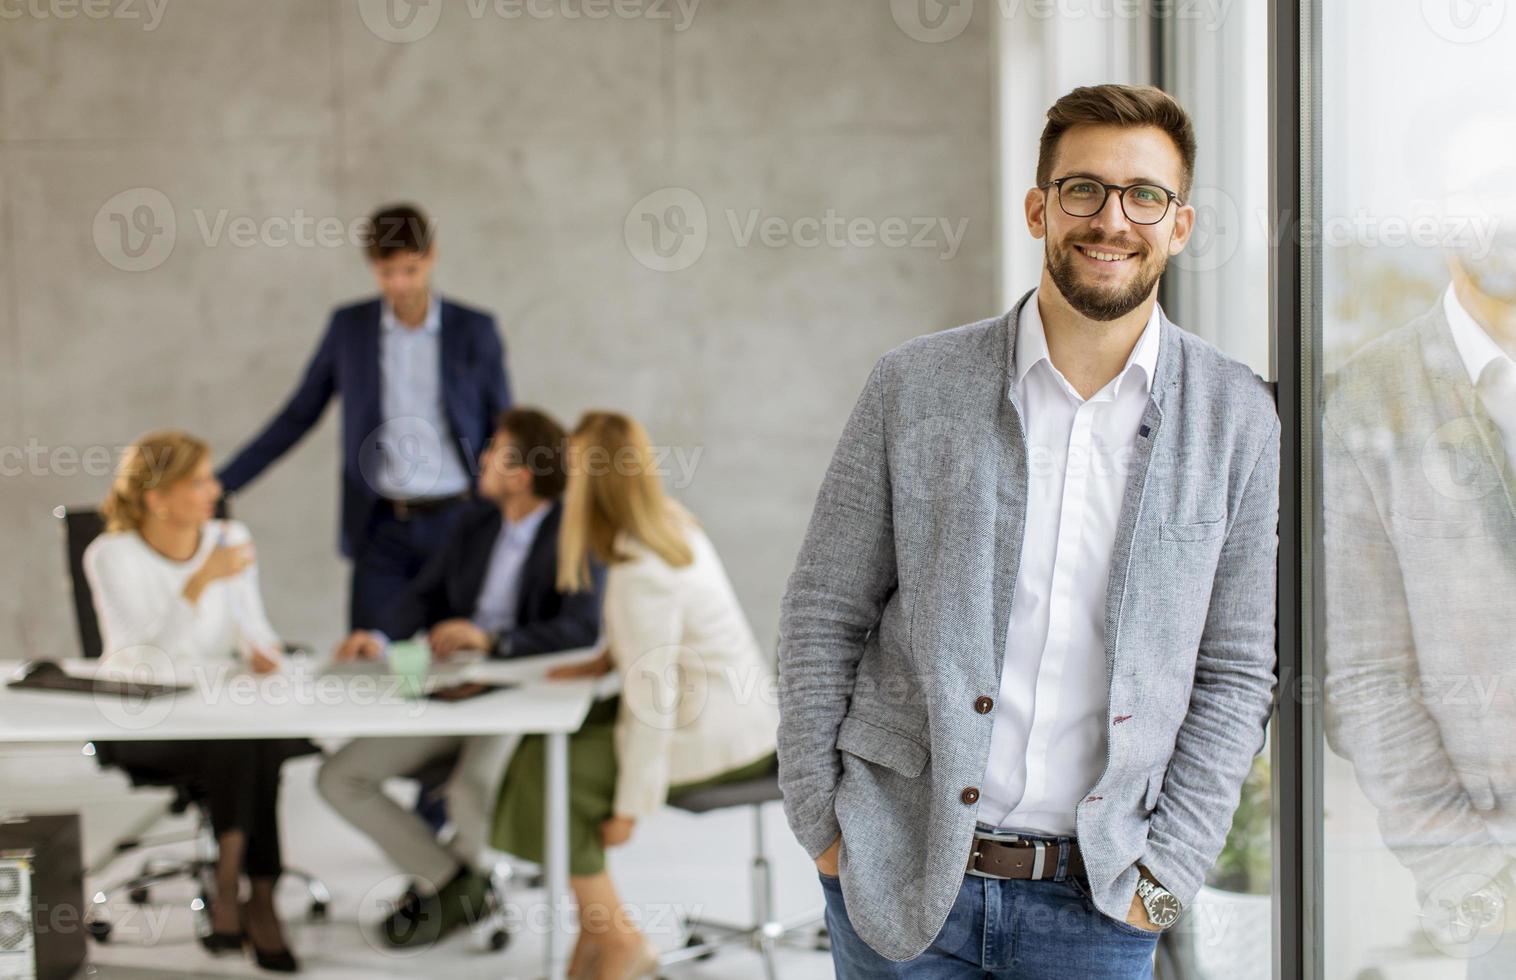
[844,575]
[299,414]
[497,388]
[576,624]
[645,623]
[1233,692]
[1425,813]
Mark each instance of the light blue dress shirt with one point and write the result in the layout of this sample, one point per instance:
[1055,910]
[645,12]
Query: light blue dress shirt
[500,593]
[415,439]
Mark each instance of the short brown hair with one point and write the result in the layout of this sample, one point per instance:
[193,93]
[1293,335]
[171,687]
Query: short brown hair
[538,444]
[1119,105]
[395,229]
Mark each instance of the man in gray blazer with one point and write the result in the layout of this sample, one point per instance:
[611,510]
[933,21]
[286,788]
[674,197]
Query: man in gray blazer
[1027,652]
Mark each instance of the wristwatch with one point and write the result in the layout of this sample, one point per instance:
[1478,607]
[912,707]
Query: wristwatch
[1163,908]
[1484,906]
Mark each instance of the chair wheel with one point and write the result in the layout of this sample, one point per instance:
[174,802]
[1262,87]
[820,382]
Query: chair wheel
[317,912]
[99,930]
[138,896]
[499,939]
[696,939]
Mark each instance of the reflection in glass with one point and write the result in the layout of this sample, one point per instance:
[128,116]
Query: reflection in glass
[1418,437]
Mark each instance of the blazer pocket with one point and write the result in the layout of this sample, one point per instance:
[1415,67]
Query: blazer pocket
[1192,531]
[1436,527]
[881,746]
[1155,787]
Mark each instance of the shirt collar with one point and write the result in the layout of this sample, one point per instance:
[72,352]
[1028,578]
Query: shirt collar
[527,526]
[431,324]
[1475,347]
[1032,344]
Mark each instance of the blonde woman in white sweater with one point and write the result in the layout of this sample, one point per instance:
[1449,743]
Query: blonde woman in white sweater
[172,587]
[697,703]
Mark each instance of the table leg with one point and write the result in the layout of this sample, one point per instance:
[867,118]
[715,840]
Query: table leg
[556,868]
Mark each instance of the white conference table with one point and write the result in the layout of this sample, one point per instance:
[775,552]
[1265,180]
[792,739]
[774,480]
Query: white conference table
[306,699]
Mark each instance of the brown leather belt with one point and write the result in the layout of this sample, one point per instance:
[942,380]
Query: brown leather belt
[1032,859]
[406,509]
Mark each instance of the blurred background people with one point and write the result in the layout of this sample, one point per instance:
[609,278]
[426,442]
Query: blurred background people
[173,586]
[422,380]
[492,587]
[696,705]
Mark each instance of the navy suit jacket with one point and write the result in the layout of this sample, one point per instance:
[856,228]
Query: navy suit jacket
[474,388]
[448,587]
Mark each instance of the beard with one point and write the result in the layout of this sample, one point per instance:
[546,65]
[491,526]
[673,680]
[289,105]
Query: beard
[1493,272]
[1101,302]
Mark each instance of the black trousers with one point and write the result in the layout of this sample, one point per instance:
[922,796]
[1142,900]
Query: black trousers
[237,779]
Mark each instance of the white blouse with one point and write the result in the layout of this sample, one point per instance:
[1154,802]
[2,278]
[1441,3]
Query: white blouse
[143,614]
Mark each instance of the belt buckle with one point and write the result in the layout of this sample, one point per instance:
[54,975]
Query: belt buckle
[1039,858]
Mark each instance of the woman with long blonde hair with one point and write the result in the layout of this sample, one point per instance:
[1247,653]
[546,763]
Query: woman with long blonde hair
[696,704]
[174,586]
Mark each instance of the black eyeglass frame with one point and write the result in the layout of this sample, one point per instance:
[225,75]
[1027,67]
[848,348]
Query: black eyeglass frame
[1058,183]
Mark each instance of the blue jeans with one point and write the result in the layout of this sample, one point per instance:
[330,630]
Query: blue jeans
[1008,929]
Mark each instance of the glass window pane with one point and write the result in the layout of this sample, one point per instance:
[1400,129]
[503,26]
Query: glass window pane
[1418,430]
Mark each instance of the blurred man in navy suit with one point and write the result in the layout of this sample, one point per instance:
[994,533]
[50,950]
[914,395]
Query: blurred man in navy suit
[422,380]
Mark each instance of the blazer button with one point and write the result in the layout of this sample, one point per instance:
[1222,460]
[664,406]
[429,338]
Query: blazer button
[970,795]
[983,704]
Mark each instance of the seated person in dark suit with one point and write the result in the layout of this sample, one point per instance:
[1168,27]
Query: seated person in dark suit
[492,587]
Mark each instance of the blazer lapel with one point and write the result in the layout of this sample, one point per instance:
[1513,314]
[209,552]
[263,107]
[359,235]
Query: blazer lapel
[1455,401]
[449,356]
[538,571]
[370,391]
[1011,490]
[1165,377]
[477,561]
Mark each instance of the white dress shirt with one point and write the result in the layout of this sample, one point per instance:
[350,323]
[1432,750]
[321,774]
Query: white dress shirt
[1491,370]
[1048,741]
[143,614]
[416,440]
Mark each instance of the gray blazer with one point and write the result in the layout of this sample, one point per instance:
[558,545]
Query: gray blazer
[894,622]
[1420,544]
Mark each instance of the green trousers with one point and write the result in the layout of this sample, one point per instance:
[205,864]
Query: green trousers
[519,820]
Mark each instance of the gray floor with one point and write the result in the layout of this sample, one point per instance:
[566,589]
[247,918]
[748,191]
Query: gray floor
[676,864]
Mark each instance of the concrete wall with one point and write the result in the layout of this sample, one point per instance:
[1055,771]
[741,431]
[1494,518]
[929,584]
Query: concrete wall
[534,135]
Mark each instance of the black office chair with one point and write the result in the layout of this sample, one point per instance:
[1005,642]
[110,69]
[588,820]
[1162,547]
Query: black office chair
[704,938]
[80,526]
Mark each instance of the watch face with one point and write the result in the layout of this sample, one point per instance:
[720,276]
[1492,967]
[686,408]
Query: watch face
[1163,910]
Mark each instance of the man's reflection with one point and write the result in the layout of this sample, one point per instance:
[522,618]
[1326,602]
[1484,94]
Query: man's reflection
[1419,446]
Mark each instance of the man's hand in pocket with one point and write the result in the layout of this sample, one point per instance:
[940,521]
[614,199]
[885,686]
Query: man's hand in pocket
[826,861]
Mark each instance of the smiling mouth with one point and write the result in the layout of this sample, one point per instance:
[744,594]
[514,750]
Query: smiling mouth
[1106,255]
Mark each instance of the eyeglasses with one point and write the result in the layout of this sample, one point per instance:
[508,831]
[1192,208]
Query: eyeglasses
[1083,197]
